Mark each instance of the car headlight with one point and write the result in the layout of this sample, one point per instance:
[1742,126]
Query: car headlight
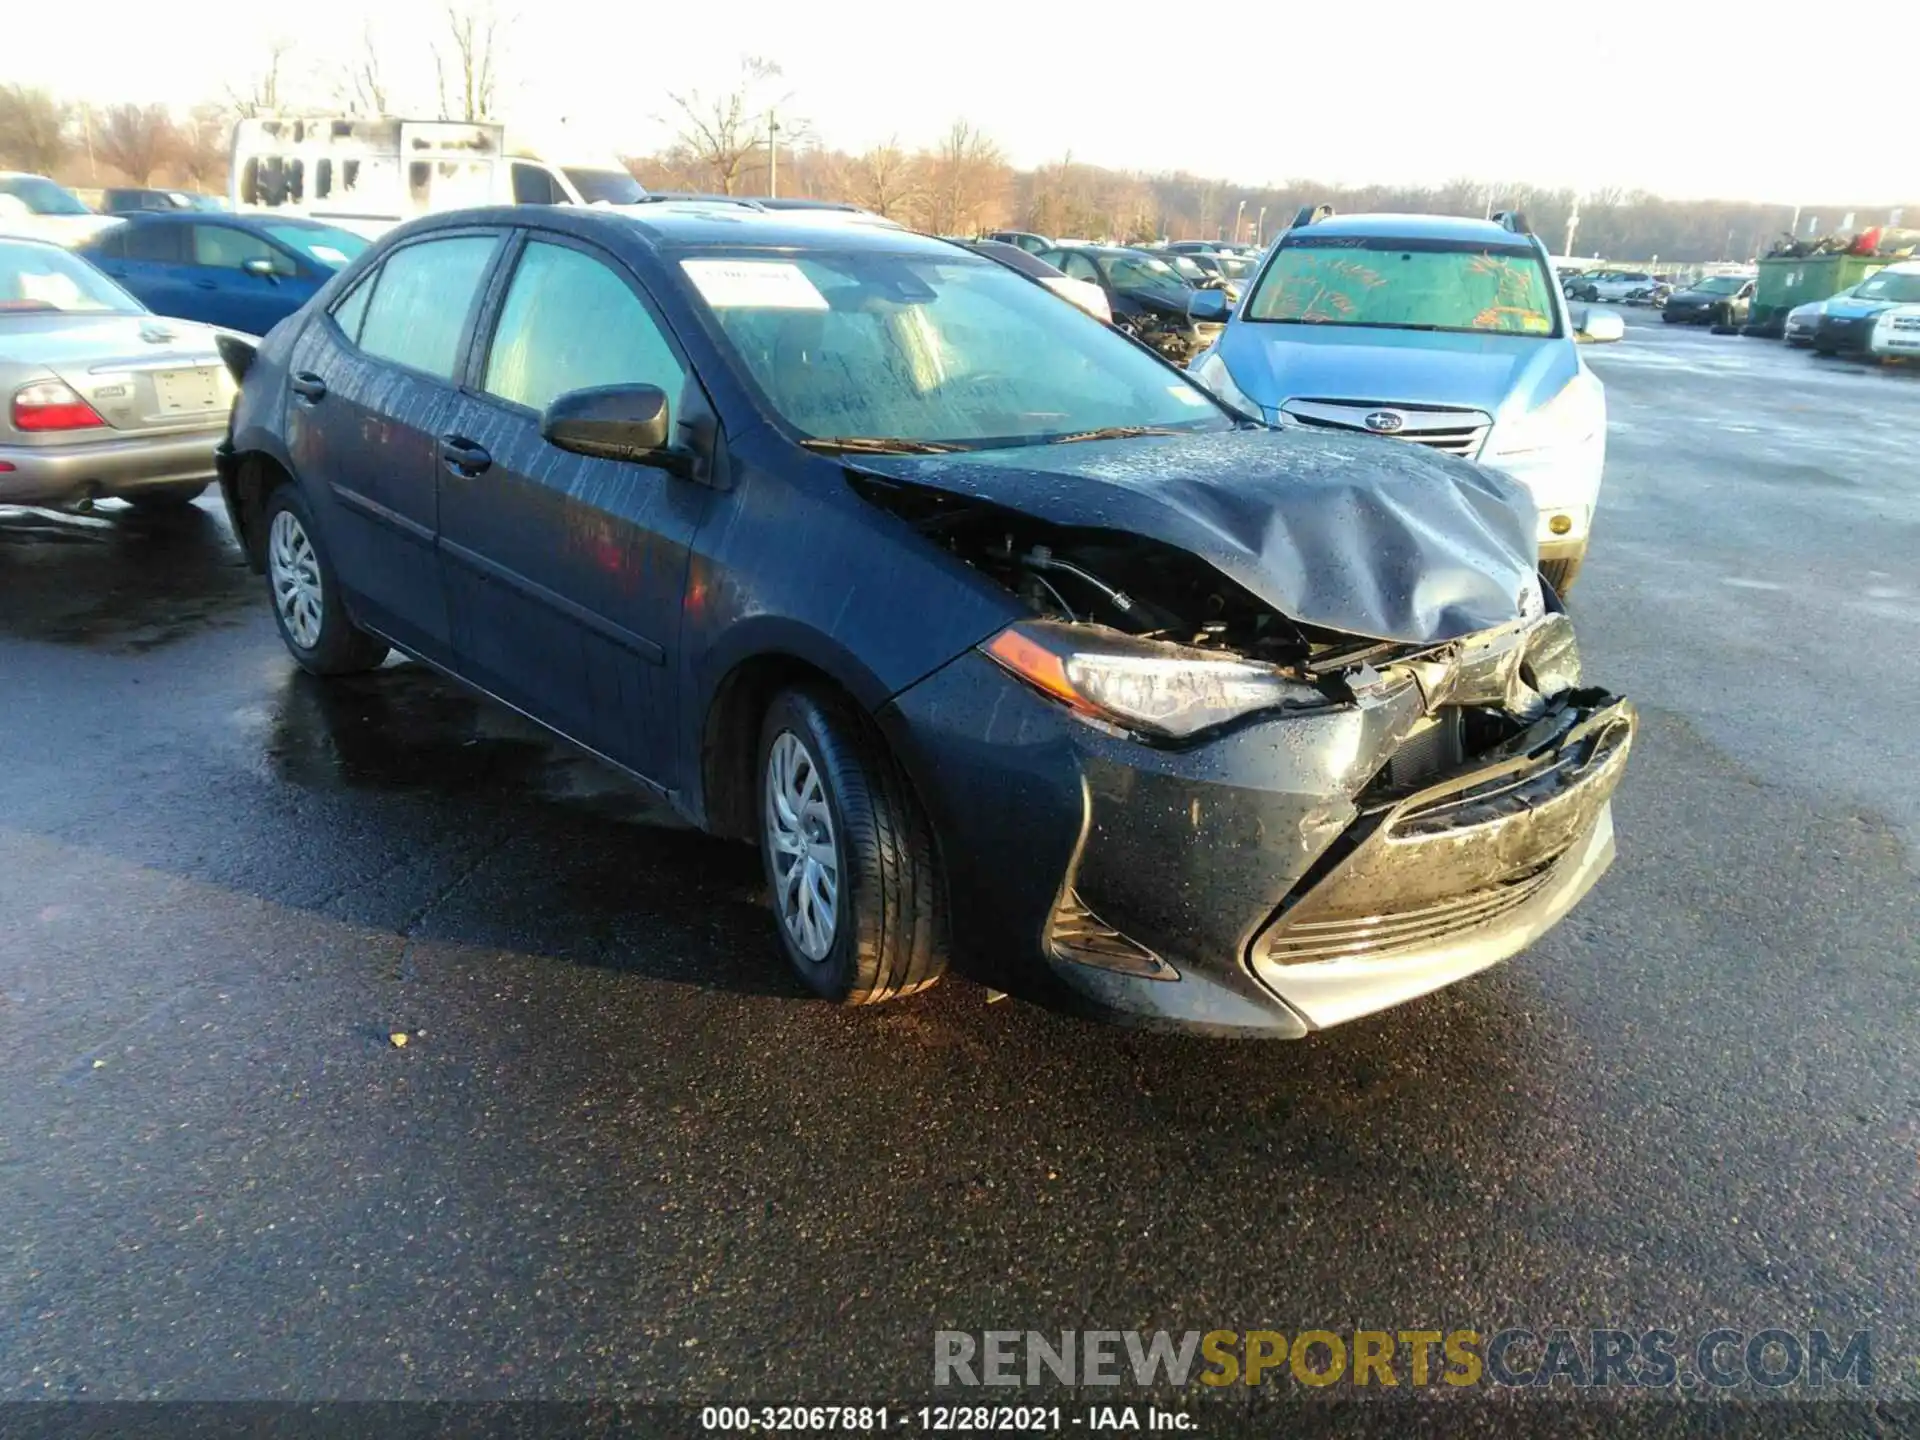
[1210,370]
[1572,417]
[1145,685]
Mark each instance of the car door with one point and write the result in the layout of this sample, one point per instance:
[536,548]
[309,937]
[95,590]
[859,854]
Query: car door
[566,573]
[372,390]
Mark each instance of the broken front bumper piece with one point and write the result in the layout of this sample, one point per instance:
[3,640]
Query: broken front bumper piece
[1289,873]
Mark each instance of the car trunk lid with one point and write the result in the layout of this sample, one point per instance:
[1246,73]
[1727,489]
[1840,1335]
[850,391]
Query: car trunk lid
[141,373]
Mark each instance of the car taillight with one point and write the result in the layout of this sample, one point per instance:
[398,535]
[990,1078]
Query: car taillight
[52,405]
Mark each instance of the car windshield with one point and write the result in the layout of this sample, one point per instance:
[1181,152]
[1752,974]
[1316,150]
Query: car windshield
[1143,274]
[606,187]
[42,279]
[1404,284]
[891,348]
[1233,267]
[1720,285]
[323,244]
[1188,268]
[42,196]
[1901,289]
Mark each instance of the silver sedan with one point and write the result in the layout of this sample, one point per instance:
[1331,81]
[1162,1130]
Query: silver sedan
[99,397]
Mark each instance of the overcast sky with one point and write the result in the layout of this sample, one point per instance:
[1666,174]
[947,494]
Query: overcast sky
[1685,98]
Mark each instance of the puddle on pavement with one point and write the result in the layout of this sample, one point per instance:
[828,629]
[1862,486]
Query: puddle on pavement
[118,581]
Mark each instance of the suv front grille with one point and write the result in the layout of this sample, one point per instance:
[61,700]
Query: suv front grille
[1370,935]
[1455,431]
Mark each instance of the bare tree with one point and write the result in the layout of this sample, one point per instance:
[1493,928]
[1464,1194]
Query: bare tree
[466,65]
[204,145]
[137,140]
[966,178]
[361,86]
[885,180]
[262,96]
[723,134]
[35,129]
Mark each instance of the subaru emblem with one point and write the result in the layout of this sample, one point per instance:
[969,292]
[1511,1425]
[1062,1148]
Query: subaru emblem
[1384,422]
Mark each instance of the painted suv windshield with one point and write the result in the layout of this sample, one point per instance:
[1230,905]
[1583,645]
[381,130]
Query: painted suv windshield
[1403,284]
[961,352]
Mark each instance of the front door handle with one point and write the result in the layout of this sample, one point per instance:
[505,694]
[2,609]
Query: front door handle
[308,386]
[464,456]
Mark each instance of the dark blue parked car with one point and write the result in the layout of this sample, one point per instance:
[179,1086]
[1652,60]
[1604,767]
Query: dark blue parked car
[999,635]
[243,272]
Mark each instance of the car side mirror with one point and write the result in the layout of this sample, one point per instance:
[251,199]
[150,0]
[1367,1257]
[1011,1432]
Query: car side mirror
[1599,327]
[615,422]
[260,268]
[1209,306]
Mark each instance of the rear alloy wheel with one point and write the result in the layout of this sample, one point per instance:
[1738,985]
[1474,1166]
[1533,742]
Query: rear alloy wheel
[165,499]
[306,598]
[849,856]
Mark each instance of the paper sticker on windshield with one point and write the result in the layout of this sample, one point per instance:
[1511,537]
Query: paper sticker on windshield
[1187,395]
[753,285]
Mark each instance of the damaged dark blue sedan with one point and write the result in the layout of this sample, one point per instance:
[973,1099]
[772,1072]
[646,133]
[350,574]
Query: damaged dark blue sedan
[1008,645]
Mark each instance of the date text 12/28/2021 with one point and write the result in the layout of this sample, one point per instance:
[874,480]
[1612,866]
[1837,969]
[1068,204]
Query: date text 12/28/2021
[939,1419]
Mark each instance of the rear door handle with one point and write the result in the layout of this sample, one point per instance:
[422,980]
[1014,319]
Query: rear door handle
[464,456]
[308,386]
[205,285]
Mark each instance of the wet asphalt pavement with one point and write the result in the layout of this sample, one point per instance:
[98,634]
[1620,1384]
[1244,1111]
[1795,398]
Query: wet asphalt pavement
[621,1156]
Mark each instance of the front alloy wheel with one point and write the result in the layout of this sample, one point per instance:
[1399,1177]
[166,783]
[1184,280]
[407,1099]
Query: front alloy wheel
[849,853]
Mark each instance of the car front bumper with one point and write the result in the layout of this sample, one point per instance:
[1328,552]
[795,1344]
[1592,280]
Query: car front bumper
[1896,341]
[1260,882]
[111,465]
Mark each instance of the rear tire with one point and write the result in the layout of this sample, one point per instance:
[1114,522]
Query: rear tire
[166,499]
[833,798]
[307,608]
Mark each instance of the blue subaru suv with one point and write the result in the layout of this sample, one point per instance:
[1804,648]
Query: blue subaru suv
[1446,331]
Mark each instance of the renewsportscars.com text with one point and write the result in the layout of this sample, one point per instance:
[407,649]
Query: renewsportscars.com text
[1767,1359]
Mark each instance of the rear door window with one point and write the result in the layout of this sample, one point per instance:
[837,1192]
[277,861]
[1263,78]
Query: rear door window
[570,322]
[418,310]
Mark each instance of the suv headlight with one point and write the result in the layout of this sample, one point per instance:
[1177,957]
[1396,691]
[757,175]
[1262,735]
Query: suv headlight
[1146,685]
[1572,417]
[1210,370]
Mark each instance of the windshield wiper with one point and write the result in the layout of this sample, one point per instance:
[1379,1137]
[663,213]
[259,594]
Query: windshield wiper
[1112,432]
[879,445]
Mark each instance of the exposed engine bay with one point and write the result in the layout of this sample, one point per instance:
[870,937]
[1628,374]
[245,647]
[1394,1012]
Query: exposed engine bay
[1478,691]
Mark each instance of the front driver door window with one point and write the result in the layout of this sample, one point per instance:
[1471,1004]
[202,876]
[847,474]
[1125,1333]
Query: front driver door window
[566,573]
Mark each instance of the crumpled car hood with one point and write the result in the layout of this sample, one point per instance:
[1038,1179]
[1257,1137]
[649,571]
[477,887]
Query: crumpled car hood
[1376,538]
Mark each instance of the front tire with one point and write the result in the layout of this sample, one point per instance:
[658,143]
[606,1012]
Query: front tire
[307,607]
[857,893]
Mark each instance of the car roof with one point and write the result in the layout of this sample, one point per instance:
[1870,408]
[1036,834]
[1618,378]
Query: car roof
[219,217]
[1414,227]
[695,224]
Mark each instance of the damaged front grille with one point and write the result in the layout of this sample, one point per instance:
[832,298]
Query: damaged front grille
[1376,934]
[1454,432]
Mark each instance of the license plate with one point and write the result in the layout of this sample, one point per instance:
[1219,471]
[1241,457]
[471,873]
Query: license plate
[186,392]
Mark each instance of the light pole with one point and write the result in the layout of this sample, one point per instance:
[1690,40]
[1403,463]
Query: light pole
[773,156]
[1242,210]
[1260,229]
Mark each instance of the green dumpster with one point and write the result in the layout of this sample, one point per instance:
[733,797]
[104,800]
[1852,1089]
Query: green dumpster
[1789,280]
